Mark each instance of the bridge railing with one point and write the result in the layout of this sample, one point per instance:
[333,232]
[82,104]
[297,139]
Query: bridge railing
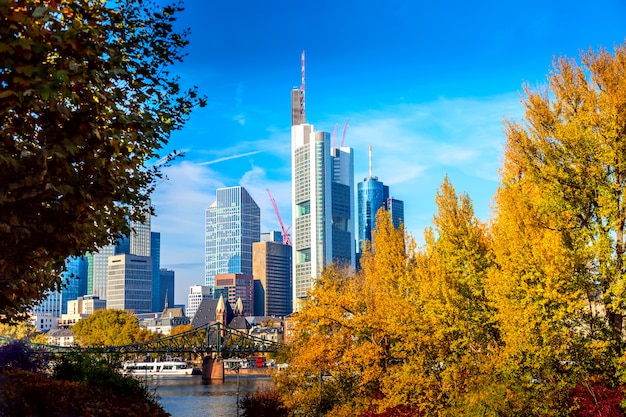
[211,339]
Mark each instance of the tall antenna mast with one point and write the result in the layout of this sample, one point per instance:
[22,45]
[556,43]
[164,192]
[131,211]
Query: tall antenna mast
[370,161]
[302,91]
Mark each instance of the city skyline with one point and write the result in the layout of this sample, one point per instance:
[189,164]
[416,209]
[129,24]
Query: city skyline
[427,85]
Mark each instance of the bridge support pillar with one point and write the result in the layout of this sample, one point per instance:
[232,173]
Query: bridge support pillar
[212,369]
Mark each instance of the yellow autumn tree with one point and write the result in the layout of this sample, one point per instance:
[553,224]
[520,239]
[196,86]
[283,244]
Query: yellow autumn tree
[445,339]
[571,146]
[559,235]
[343,346]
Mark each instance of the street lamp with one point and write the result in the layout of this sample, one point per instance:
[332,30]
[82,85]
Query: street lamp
[237,367]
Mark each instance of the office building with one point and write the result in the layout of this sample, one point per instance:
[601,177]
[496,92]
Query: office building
[197,293]
[271,268]
[98,270]
[233,224]
[141,237]
[236,288]
[395,207]
[273,236]
[372,196]
[322,181]
[75,280]
[166,288]
[130,283]
[157,292]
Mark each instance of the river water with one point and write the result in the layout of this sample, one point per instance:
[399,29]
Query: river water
[189,397]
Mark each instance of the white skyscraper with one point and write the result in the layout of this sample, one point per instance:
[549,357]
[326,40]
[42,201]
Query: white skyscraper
[322,188]
[322,212]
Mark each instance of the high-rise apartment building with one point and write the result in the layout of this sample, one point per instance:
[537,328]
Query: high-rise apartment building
[233,224]
[271,268]
[322,191]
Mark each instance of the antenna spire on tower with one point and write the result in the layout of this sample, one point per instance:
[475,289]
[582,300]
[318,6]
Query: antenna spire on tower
[302,90]
[370,161]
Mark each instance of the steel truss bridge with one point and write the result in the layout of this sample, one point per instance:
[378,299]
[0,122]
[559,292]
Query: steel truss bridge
[214,340]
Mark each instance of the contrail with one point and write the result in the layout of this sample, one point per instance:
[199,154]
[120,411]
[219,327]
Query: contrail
[226,158]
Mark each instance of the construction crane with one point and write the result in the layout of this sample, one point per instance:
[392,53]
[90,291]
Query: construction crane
[343,136]
[286,237]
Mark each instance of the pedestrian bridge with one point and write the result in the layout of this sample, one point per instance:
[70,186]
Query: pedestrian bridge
[213,342]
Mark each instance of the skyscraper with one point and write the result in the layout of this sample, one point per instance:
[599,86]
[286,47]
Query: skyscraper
[75,278]
[272,279]
[158,300]
[322,191]
[130,283]
[372,196]
[98,270]
[233,224]
[395,207]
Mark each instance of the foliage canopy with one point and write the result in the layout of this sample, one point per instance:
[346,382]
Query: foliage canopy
[86,103]
[109,328]
[520,316]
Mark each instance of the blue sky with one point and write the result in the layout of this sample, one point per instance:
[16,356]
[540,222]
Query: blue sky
[427,84]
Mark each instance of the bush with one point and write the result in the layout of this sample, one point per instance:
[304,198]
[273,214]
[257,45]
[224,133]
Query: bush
[19,355]
[265,403]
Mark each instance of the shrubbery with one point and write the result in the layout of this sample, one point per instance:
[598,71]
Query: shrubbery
[73,385]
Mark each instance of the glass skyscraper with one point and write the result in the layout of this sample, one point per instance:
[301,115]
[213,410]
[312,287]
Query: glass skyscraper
[323,201]
[233,224]
[371,195]
[322,189]
[75,279]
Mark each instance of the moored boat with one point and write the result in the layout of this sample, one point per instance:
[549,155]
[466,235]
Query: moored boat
[160,368]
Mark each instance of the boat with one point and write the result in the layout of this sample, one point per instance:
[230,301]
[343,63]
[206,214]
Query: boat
[160,368]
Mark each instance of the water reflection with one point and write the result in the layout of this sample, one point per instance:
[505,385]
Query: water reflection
[189,397]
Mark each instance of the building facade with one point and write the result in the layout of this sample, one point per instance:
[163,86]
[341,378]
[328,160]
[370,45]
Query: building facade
[197,293]
[322,207]
[167,279]
[271,268]
[372,196]
[98,270]
[155,254]
[130,283]
[233,224]
[395,207]
[236,288]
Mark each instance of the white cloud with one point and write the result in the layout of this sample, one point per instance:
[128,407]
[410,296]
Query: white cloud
[414,147]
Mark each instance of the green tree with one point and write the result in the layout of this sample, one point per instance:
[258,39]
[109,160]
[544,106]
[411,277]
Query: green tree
[86,104]
[109,328]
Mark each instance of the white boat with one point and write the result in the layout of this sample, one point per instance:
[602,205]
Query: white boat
[158,368]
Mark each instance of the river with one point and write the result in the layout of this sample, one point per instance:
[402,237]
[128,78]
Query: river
[189,397]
